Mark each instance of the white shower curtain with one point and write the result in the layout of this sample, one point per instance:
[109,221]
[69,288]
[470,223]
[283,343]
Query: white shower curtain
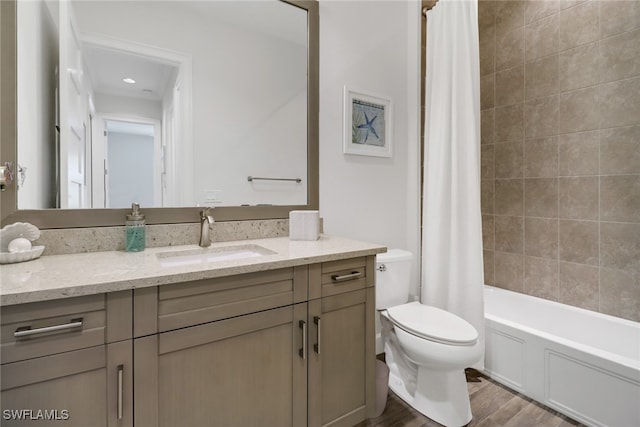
[452,267]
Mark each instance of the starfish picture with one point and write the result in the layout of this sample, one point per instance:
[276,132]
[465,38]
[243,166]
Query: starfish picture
[368,125]
[368,119]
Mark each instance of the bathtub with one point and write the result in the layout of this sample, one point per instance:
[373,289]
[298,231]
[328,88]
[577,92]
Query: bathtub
[583,364]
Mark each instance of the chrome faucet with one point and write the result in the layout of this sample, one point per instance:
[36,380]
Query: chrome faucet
[206,219]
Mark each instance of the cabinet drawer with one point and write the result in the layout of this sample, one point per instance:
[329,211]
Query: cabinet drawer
[345,276]
[50,327]
[187,304]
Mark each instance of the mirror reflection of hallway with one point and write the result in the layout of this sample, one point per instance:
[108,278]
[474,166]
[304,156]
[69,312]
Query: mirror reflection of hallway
[131,160]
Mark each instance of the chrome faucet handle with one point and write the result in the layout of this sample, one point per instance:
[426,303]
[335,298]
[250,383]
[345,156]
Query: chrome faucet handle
[206,215]
[206,219]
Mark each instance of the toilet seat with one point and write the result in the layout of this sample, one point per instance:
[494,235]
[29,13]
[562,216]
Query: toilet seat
[433,324]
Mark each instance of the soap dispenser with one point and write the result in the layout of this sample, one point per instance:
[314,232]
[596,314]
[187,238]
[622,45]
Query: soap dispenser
[135,233]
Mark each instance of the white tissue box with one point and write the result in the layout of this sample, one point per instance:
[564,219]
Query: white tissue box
[304,225]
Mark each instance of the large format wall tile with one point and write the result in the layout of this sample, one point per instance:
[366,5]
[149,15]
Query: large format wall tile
[620,198]
[541,237]
[509,16]
[578,198]
[486,126]
[487,165]
[620,293]
[579,110]
[509,271]
[579,285]
[579,25]
[620,56]
[578,67]
[579,242]
[542,77]
[487,258]
[578,153]
[487,196]
[509,234]
[561,153]
[487,91]
[538,9]
[509,123]
[620,246]
[509,197]
[541,277]
[508,159]
[541,197]
[488,232]
[618,16]
[620,150]
[541,117]
[509,86]
[510,49]
[541,157]
[620,103]
[541,38]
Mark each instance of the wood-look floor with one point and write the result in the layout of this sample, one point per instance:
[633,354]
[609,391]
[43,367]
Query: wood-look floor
[492,405]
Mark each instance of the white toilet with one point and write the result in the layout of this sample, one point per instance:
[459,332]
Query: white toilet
[426,348]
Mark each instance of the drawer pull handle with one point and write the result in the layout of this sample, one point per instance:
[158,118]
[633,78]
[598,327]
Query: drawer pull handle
[316,346]
[25,331]
[120,381]
[303,351]
[353,275]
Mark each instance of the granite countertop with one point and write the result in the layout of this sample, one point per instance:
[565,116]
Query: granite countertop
[63,276]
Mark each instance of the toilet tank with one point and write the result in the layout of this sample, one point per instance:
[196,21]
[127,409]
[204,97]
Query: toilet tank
[393,270]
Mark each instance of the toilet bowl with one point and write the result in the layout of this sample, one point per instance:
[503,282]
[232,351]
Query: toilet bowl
[427,348]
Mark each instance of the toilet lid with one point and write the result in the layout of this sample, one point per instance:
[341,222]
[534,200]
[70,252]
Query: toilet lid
[433,324]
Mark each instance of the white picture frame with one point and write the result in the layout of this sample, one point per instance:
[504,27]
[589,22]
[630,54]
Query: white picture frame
[367,124]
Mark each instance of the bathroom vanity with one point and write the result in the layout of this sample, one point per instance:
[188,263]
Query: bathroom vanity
[279,334]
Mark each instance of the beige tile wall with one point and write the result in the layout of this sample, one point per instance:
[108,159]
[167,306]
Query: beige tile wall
[560,100]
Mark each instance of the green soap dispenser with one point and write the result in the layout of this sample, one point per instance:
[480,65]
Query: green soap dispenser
[135,232]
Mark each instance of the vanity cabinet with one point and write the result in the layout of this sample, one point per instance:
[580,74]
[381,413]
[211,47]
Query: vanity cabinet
[68,362]
[286,347]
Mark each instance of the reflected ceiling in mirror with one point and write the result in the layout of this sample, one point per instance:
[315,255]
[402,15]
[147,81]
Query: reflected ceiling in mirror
[221,89]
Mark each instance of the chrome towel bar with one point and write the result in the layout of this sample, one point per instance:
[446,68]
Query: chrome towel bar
[253,178]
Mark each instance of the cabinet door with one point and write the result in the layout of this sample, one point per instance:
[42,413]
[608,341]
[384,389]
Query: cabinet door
[245,371]
[342,359]
[84,388]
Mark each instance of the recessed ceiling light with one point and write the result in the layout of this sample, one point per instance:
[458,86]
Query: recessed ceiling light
[128,80]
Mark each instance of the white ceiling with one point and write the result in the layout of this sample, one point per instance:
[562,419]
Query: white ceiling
[107,68]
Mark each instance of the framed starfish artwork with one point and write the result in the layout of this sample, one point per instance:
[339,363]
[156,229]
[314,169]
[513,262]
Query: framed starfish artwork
[367,124]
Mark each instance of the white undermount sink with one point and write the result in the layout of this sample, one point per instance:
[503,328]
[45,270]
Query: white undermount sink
[206,255]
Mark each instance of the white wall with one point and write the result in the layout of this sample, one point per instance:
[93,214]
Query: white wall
[372,46]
